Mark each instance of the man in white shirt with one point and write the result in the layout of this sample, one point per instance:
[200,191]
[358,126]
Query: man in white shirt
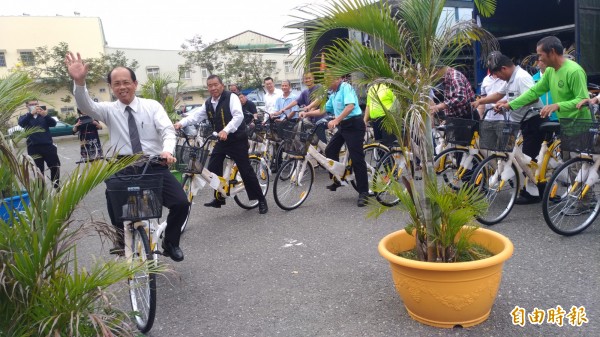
[490,85]
[224,112]
[271,95]
[519,81]
[136,125]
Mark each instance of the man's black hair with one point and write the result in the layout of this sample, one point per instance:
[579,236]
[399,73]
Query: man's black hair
[213,76]
[267,79]
[551,42]
[497,61]
[131,72]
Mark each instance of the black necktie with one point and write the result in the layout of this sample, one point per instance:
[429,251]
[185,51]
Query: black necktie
[134,135]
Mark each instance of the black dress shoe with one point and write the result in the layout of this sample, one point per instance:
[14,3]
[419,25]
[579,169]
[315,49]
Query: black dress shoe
[263,208]
[363,199]
[118,249]
[174,252]
[527,199]
[119,245]
[216,203]
[334,186]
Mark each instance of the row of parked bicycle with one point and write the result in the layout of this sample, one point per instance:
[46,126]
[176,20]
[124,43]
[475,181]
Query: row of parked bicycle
[486,154]
[564,175]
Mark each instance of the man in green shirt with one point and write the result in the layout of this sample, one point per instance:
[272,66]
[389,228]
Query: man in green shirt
[565,79]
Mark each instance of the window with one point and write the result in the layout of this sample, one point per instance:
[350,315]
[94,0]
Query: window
[289,68]
[271,64]
[27,58]
[67,109]
[2,59]
[152,71]
[102,90]
[204,73]
[185,72]
[188,98]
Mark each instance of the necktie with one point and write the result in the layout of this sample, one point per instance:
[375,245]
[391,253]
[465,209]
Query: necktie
[134,136]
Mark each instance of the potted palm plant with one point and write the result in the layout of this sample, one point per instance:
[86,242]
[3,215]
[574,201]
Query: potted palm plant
[415,43]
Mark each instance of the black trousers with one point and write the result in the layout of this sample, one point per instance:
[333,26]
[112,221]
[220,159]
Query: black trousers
[380,133]
[46,153]
[352,132]
[532,136]
[237,149]
[173,198]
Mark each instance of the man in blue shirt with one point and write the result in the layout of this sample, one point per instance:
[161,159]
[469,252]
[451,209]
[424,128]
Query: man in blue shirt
[343,103]
[284,101]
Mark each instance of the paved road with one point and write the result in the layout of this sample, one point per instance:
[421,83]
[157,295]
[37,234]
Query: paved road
[315,271]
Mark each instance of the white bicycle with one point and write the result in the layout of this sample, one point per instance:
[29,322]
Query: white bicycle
[136,199]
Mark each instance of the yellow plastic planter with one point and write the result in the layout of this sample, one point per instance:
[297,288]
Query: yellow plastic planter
[446,295]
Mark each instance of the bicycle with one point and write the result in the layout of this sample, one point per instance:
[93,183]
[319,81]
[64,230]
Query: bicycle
[137,201]
[191,161]
[498,176]
[452,164]
[295,178]
[189,137]
[570,200]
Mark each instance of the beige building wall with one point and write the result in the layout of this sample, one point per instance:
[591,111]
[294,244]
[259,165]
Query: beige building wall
[166,62]
[26,33]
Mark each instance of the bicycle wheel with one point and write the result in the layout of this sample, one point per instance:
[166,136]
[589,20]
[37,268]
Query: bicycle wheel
[566,209]
[142,285]
[262,174]
[392,167]
[374,153]
[187,189]
[290,193]
[282,157]
[448,168]
[499,184]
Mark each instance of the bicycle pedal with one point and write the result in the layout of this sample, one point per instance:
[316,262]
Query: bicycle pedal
[233,182]
[158,252]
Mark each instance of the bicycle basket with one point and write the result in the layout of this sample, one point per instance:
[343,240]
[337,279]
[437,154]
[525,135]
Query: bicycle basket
[205,130]
[581,136]
[190,159]
[296,140]
[460,131]
[498,135]
[191,130]
[283,128]
[135,197]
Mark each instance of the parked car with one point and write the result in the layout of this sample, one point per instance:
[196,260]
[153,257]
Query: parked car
[184,109]
[61,129]
[260,106]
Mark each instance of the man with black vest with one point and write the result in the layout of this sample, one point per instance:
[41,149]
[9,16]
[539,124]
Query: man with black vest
[224,111]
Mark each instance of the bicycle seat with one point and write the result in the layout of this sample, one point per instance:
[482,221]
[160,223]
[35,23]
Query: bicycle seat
[550,127]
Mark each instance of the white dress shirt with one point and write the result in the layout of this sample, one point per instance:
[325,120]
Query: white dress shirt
[491,85]
[271,100]
[156,131]
[519,83]
[197,115]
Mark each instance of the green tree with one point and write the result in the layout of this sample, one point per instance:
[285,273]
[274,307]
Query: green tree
[49,69]
[21,89]
[164,89]
[419,42]
[247,68]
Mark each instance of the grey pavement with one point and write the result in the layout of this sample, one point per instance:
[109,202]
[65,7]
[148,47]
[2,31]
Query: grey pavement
[315,271]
